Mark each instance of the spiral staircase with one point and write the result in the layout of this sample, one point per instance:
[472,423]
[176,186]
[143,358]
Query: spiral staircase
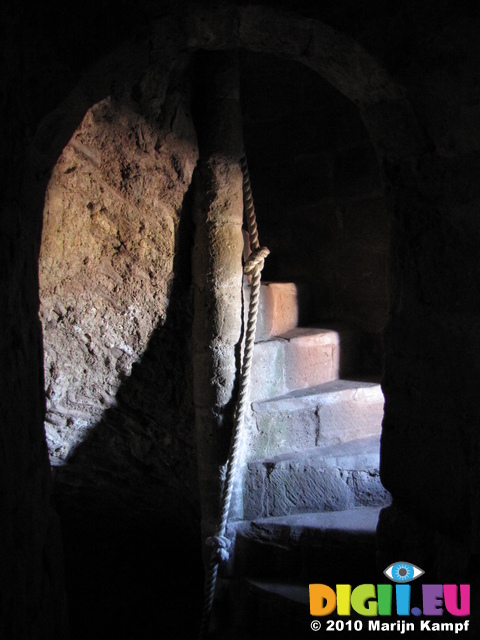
[310,486]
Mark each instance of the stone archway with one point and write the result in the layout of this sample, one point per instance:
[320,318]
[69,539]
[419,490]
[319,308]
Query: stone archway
[333,55]
[384,106]
[432,342]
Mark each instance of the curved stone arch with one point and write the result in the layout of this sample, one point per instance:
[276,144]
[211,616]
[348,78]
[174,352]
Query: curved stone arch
[151,60]
[334,55]
[338,58]
[149,63]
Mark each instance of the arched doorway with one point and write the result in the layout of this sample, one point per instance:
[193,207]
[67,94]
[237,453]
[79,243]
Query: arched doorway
[127,172]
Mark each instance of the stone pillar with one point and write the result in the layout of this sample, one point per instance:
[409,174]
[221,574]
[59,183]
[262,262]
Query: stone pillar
[217,271]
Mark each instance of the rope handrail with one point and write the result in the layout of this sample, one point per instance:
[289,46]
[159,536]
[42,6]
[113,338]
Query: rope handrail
[253,267]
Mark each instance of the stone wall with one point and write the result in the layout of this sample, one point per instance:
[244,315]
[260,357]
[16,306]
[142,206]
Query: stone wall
[116,309]
[110,236]
[432,351]
[424,125]
[32,593]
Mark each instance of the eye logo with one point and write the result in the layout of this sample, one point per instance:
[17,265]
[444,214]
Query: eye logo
[403,572]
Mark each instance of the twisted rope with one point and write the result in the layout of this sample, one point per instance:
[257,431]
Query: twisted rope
[256,259]
[253,266]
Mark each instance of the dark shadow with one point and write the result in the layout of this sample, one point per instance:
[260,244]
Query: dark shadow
[319,198]
[127,497]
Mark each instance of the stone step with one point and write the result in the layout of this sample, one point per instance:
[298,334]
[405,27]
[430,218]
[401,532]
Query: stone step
[301,358]
[280,610]
[275,559]
[278,309]
[333,412]
[331,478]
[328,547]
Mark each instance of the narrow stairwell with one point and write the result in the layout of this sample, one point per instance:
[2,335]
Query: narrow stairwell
[310,487]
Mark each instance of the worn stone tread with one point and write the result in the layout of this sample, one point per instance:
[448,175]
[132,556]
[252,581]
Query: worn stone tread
[308,546]
[300,358]
[288,590]
[360,388]
[362,453]
[357,521]
[333,412]
[332,478]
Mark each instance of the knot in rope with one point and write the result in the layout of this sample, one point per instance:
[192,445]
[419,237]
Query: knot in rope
[256,260]
[220,544]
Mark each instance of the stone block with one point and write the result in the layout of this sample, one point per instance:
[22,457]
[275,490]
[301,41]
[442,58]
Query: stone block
[278,309]
[301,358]
[366,488]
[335,412]
[333,478]
[309,547]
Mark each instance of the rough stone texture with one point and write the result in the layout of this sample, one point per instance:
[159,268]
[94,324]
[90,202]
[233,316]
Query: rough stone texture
[426,135]
[115,274]
[217,273]
[331,413]
[110,235]
[281,556]
[332,478]
[301,358]
[298,547]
